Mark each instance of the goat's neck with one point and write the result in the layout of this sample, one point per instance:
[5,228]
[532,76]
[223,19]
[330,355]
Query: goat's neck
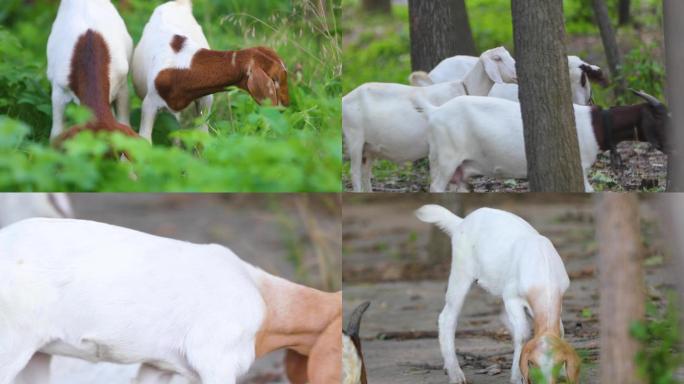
[546,310]
[477,82]
[624,121]
[210,72]
[295,315]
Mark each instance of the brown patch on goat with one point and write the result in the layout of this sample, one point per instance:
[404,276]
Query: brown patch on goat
[595,75]
[89,81]
[178,42]
[296,316]
[259,71]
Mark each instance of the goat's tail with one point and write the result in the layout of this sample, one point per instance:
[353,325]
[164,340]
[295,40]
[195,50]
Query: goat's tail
[420,79]
[440,216]
[422,105]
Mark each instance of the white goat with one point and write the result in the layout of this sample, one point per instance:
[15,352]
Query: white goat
[104,293]
[88,53]
[473,135]
[509,259]
[173,67]
[379,121]
[454,68]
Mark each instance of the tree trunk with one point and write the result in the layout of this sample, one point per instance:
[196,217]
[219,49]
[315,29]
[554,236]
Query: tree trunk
[551,146]
[674,55]
[379,6]
[623,12]
[672,209]
[439,29]
[609,43]
[621,283]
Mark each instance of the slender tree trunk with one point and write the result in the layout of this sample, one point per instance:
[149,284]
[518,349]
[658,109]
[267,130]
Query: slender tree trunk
[439,29]
[623,12]
[621,283]
[551,146]
[379,6]
[672,209]
[674,55]
[609,43]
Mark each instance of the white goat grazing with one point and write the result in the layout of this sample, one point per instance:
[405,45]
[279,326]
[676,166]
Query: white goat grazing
[88,53]
[104,293]
[473,135]
[173,67]
[379,120]
[454,68]
[509,259]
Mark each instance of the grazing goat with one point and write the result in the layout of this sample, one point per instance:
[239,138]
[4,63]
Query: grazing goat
[509,259]
[180,308]
[353,366]
[88,52]
[471,136]
[455,68]
[174,67]
[379,121]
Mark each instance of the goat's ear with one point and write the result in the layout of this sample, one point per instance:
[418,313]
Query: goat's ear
[420,79]
[261,87]
[491,67]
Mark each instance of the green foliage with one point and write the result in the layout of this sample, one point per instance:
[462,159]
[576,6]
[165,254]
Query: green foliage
[659,356]
[642,71]
[250,147]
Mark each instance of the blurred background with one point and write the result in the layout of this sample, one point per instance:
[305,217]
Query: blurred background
[377,48]
[296,236]
[268,149]
[401,265]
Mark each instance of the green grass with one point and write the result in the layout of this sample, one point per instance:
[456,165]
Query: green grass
[249,148]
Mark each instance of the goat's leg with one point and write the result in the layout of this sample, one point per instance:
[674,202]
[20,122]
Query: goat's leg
[444,174]
[14,357]
[123,110]
[150,107]
[367,171]
[59,102]
[587,184]
[203,105]
[151,375]
[37,371]
[459,284]
[517,322]
[355,150]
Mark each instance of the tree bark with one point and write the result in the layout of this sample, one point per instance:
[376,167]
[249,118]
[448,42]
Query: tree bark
[609,43]
[674,56]
[624,15]
[439,29]
[551,146]
[621,283]
[378,6]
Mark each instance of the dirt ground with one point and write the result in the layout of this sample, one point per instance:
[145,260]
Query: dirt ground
[263,230]
[644,168]
[386,262]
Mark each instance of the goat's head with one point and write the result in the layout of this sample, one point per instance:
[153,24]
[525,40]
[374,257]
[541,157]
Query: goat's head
[654,119]
[266,76]
[582,74]
[499,65]
[549,354]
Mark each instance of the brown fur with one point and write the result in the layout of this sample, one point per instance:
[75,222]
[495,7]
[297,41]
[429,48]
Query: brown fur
[304,321]
[632,122]
[594,75]
[259,71]
[89,80]
[547,337]
[178,42]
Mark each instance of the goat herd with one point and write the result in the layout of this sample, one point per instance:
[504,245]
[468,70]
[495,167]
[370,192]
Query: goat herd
[89,53]
[465,117]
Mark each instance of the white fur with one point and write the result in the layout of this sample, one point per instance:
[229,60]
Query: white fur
[379,121]
[456,67]
[484,136]
[104,293]
[74,18]
[154,54]
[507,257]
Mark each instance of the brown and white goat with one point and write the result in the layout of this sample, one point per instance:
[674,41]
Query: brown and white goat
[174,67]
[88,54]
